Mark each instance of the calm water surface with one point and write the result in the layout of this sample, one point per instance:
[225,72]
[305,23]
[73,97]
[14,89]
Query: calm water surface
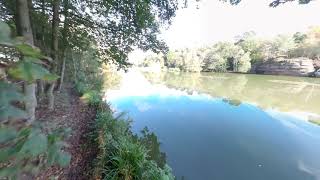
[227,126]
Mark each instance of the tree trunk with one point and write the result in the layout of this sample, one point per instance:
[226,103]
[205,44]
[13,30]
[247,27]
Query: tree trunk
[54,48]
[51,96]
[30,101]
[23,21]
[24,29]
[40,86]
[64,41]
[41,83]
[31,23]
[74,68]
[62,71]
[43,25]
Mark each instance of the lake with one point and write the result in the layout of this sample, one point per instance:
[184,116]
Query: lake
[215,126]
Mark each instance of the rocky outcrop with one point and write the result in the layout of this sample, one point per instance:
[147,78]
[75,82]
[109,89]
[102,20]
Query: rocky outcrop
[283,66]
[317,73]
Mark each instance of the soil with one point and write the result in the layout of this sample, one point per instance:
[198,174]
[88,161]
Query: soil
[70,112]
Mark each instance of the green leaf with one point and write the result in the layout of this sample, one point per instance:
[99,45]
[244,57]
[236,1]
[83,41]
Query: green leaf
[24,132]
[28,71]
[4,33]
[52,154]
[8,94]
[63,159]
[7,134]
[55,155]
[35,145]
[33,60]
[53,150]
[29,51]
[8,172]
[6,153]
[11,111]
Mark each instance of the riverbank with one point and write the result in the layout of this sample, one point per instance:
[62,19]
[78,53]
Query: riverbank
[280,67]
[72,113]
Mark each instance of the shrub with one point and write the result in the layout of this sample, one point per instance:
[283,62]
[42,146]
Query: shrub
[81,87]
[29,150]
[122,155]
[91,97]
[24,147]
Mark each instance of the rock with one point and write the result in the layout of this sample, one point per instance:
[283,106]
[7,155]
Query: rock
[317,74]
[284,66]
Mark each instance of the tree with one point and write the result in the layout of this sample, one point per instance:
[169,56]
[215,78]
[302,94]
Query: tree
[307,44]
[54,48]
[250,44]
[244,64]
[174,59]
[299,38]
[124,25]
[191,60]
[115,27]
[24,29]
[214,62]
[282,45]
[153,60]
[226,56]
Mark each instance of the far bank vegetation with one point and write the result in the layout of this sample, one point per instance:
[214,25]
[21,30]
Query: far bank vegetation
[241,55]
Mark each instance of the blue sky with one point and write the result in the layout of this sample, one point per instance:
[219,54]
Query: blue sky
[216,21]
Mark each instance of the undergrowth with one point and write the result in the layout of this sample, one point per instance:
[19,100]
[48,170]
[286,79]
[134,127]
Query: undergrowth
[123,155]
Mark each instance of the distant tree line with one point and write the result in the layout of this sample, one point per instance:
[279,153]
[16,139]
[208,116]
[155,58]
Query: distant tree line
[238,56]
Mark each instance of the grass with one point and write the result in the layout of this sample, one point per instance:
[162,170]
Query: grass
[91,97]
[122,155]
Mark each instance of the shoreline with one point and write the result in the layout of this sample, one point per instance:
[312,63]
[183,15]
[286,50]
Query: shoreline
[147,70]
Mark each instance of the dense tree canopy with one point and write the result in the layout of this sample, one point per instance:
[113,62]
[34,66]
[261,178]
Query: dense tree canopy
[115,26]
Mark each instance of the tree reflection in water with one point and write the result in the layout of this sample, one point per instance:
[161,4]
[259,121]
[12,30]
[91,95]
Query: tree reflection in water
[284,93]
[150,141]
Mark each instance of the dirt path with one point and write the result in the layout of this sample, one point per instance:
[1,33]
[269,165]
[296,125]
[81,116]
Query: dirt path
[70,112]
